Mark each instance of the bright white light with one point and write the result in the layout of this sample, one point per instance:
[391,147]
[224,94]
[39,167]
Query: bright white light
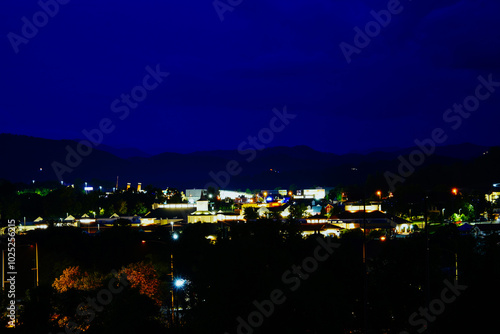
[179,283]
[175,236]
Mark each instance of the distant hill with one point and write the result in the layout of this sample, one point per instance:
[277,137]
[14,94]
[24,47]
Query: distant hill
[124,153]
[23,156]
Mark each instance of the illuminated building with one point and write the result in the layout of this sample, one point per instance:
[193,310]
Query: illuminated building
[194,195]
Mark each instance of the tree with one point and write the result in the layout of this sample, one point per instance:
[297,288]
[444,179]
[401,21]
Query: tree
[250,213]
[335,194]
[297,211]
[144,277]
[140,208]
[468,212]
[174,195]
[122,207]
[74,278]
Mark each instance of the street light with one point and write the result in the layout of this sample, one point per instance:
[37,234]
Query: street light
[179,283]
[454,191]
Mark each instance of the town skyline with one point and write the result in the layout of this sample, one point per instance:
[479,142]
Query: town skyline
[249,166]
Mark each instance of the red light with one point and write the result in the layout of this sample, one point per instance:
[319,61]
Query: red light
[454,191]
[143,241]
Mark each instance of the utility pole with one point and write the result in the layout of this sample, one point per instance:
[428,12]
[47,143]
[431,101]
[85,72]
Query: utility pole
[365,273]
[427,260]
[3,269]
[172,288]
[36,262]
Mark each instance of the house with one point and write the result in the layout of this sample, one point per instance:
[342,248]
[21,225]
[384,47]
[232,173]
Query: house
[370,207]
[372,220]
[134,220]
[165,216]
[204,215]
[213,217]
[327,230]
[317,219]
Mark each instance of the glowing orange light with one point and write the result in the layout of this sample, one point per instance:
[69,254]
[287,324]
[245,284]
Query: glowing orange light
[454,191]
[382,238]
[379,193]
[143,241]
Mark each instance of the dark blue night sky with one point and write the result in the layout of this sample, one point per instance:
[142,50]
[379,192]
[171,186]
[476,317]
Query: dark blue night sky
[226,76]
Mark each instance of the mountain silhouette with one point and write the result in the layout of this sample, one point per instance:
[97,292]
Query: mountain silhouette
[28,158]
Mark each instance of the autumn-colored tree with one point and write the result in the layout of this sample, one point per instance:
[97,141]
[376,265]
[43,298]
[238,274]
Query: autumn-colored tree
[143,276]
[74,278]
